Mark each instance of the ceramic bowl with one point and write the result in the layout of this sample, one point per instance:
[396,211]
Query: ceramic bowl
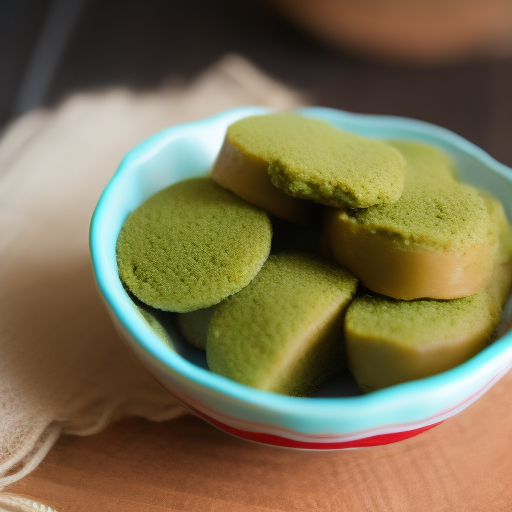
[339,417]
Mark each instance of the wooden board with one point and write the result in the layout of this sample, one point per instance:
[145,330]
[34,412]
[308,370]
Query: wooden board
[187,465]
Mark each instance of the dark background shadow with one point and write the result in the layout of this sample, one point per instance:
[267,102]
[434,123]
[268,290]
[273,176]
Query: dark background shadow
[141,44]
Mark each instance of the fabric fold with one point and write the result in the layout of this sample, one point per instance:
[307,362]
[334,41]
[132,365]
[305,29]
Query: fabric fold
[63,368]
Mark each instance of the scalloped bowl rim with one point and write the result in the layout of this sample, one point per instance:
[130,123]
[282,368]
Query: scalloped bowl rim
[492,359]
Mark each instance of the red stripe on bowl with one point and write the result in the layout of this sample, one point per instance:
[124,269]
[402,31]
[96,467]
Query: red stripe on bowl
[274,440]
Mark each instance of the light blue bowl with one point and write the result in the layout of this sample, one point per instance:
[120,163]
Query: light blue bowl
[381,417]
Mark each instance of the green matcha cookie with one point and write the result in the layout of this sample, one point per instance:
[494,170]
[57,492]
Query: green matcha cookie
[434,242]
[501,281]
[435,209]
[191,246]
[283,332]
[156,325]
[310,159]
[194,325]
[391,341]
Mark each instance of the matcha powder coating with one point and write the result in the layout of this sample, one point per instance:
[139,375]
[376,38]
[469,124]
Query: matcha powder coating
[282,333]
[417,324]
[310,159]
[191,246]
[435,210]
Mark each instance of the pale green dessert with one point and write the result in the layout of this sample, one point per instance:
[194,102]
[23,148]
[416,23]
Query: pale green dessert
[192,245]
[194,325]
[311,159]
[434,242]
[501,282]
[156,326]
[435,210]
[391,341]
[283,332]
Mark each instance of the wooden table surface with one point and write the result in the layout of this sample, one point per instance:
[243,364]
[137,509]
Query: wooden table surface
[186,465]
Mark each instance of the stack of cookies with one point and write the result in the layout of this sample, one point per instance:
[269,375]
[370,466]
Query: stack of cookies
[432,257]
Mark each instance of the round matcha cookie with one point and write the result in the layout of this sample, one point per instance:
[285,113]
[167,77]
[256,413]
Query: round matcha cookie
[435,209]
[191,246]
[391,341]
[311,159]
[194,325]
[435,241]
[283,332]
[246,175]
[155,324]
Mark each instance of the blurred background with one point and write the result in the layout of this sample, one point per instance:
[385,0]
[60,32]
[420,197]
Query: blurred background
[448,62]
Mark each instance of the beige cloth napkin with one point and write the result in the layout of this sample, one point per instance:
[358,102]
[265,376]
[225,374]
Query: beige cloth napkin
[63,369]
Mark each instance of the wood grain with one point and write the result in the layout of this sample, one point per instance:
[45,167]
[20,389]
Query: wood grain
[187,465]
